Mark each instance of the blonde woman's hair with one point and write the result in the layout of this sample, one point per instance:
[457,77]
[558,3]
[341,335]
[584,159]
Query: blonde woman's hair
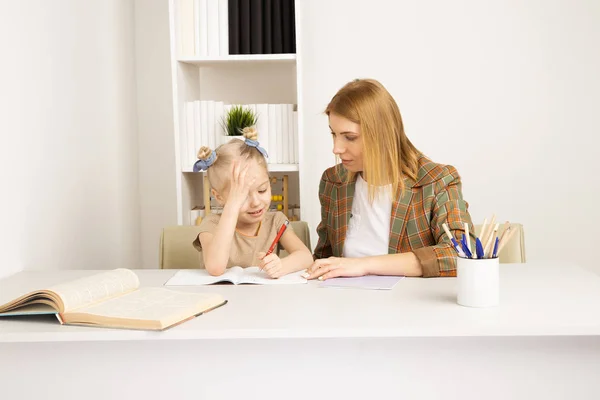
[388,155]
[219,171]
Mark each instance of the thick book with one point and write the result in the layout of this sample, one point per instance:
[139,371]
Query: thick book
[201,19]
[262,126]
[267,34]
[244,7]
[288,26]
[113,299]
[276,27]
[235,275]
[187,45]
[212,24]
[256,27]
[233,34]
[223,27]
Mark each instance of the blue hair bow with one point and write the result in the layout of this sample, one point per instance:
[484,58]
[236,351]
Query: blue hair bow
[255,144]
[202,165]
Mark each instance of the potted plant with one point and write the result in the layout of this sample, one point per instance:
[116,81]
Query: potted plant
[235,120]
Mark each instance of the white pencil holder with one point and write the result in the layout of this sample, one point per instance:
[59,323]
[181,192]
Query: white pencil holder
[478,282]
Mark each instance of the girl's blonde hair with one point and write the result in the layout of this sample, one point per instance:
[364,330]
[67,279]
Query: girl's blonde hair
[388,155]
[219,172]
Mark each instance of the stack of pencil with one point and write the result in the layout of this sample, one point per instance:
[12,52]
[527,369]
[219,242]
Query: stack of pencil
[489,244]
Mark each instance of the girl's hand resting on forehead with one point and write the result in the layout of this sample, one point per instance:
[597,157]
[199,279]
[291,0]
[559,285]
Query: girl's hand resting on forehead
[240,184]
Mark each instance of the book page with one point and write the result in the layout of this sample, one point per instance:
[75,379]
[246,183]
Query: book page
[95,288]
[193,277]
[253,275]
[154,304]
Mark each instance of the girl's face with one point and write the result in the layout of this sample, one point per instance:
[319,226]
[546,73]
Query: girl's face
[347,142]
[259,196]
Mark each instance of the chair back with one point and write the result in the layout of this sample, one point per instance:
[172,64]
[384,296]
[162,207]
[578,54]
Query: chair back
[514,250]
[177,252]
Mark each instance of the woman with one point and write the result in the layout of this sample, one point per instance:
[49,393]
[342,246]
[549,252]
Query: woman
[383,207]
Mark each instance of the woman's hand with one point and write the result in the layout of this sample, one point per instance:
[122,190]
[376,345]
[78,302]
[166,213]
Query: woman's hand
[333,267]
[271,264]
[239,186]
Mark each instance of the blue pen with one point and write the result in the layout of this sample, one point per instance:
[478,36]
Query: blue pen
[466,247]
[454,243]
[495,247]
[458,249]
[479,248]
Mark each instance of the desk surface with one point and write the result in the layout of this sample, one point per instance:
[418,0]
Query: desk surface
[536,300]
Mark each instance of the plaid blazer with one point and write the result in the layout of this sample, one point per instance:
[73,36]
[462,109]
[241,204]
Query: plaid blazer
[416,221]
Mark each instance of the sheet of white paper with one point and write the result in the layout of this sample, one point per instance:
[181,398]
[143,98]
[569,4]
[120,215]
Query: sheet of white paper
[376,282]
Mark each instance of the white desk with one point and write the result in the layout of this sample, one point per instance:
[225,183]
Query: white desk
[301,340]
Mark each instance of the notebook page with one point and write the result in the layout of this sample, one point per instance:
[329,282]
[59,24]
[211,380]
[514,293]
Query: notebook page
[155,304]
[98,287]
[253,275]
[193,277]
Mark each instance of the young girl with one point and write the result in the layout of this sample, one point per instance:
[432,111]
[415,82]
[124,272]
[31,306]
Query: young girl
[242,234]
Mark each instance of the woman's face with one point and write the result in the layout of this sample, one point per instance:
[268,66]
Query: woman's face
[347,142]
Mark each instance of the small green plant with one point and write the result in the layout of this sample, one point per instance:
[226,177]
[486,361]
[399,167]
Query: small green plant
[237,119]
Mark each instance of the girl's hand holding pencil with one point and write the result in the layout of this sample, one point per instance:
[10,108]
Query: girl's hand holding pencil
[271,264]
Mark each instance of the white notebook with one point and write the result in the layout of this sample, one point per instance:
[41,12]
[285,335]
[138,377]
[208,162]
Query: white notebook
[235,275]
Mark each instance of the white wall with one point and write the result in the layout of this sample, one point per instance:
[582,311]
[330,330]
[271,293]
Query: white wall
[507,91]
[68,137]
[158,203]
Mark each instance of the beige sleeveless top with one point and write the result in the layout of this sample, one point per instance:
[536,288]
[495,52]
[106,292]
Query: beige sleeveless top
[244,249]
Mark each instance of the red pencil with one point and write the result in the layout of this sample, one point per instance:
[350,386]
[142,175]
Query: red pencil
[281,230]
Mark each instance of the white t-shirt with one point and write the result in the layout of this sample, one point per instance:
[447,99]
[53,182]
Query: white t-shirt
[368,232]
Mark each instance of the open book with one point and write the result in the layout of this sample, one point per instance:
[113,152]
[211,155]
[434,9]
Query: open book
[113,299]
[235,275]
